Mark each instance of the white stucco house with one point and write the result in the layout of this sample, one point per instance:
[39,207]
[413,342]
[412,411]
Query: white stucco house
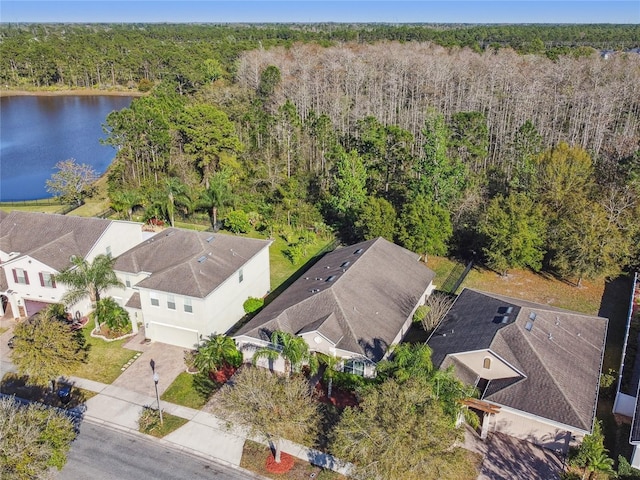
[183,285]
[354,303]
[537,367]
[35,247]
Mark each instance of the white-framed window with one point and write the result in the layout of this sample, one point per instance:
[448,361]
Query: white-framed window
[187,305]
[108,250]
[20,276]
[47,280]
[171,302]
[356,367]
[127,281]
[240,276]
[155,300]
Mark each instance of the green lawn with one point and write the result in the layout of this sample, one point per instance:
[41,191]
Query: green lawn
[182,392]
[44,206]
[170,424]
[106,359]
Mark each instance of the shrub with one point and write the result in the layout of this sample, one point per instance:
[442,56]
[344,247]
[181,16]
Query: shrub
[237,221]
[149,419]
[252,304]
[420,314]
[145,85]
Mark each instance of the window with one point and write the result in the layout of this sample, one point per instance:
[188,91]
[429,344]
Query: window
[108,250]
[240,276]
[171,302]
[20,276]
[47,280]
[355,367]
[127,282]
[187,305]
[155,300]
[486,363]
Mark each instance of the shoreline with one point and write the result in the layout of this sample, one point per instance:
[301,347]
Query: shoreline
[84,92]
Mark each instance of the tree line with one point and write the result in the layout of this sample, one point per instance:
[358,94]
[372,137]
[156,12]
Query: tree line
[454,153]
[129,55]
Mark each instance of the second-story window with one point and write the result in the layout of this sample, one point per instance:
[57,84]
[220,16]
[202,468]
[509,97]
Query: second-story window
[20,276]
[240,276]
[47,280]
[171,302]
[187,305]
[155,300]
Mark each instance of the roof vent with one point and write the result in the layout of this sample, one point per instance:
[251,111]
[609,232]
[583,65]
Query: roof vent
[202,259]
[502,319]
[318,278]
[330,278]
[358,251]
[327,266]
[532,316]
[550,336]
[169,233]
[209,239]
[528,326]
[345,264]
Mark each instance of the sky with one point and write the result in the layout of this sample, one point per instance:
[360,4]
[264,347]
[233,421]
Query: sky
[310,11]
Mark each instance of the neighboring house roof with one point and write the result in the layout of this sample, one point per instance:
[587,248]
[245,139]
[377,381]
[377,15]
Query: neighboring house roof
[186,262]
[558,352]
[50,238]
[358,297]
[134,301]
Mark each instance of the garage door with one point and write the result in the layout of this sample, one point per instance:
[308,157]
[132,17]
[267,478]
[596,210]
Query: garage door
[181,337]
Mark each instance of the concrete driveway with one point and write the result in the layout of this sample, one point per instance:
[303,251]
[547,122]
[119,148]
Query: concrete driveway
[138,376]
[507,458]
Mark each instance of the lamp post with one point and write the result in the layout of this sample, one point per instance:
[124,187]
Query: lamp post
[156,377]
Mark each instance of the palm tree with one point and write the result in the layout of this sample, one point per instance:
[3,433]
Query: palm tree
[407,361]
[330,362]
[88,279]
[598,462]
[217,194]
[293,349]
[216,351]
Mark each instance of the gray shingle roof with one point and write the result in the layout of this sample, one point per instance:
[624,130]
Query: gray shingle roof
[186,262]
[358,296]
[560,356]
[134,301]
[50,238]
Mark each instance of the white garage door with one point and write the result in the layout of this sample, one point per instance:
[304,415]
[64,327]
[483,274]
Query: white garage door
[181,337]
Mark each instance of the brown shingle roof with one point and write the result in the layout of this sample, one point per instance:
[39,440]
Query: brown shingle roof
[357,296]
[560,356]
[50,238]
[186,262]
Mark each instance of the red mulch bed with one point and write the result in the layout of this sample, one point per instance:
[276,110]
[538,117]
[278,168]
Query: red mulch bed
[339,398]
[286,463]
[223,374]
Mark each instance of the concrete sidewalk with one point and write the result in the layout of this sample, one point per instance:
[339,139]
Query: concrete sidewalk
[204,434]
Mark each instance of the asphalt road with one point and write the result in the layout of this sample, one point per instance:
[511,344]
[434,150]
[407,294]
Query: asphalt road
[100,453]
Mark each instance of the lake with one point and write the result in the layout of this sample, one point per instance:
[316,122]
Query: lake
[36,132]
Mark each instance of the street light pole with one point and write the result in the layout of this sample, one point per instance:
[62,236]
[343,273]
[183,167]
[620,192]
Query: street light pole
[156,377]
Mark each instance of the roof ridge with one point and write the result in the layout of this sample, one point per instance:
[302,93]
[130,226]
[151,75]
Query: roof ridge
[345,321]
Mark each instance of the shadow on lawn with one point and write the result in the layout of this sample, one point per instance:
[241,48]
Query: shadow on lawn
[17,385]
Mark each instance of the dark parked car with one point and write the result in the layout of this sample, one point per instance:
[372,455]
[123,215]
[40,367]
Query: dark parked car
[64,393]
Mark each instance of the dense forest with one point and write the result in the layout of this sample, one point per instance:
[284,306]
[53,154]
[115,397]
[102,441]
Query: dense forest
[517,145]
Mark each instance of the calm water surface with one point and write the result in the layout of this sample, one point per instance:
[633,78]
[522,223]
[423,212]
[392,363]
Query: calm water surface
[38,132]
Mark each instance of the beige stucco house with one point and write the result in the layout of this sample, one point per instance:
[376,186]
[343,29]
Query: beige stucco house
[354,303]
[537,367]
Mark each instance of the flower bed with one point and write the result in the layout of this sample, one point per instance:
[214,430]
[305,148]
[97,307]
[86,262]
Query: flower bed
[286,463]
